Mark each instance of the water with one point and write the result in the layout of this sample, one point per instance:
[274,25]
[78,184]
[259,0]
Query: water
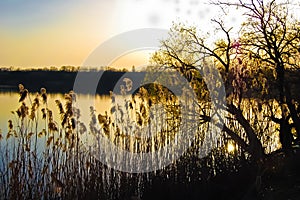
[126,120]
[128,139]
[10,102]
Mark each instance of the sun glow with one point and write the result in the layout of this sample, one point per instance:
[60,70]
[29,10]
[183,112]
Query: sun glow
[230,147]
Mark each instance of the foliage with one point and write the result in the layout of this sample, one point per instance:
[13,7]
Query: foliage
[268,41]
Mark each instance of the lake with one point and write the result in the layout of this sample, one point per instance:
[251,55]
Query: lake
[104,104]
[10,102]
[125,135]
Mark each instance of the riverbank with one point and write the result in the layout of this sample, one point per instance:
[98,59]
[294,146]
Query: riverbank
[280,181]
[63,81]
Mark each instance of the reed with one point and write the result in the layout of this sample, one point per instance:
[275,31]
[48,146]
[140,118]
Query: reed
[47,157]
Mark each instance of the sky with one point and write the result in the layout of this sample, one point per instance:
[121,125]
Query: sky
[44,33]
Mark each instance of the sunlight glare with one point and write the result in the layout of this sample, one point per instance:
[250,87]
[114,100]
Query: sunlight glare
[230,147]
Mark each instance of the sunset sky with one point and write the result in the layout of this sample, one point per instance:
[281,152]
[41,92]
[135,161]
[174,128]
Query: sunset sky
[54,33]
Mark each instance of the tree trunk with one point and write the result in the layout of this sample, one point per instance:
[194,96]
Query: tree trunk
[293,111]
[255,146]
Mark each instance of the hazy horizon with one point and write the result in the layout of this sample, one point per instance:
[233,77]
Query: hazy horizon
[64,33]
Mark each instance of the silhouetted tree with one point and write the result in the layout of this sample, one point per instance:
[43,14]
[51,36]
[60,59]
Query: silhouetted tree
[271,34]
[185,51]
[269,40]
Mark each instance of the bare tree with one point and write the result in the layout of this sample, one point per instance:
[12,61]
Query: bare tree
[183,51]
[269,41]
[272,35]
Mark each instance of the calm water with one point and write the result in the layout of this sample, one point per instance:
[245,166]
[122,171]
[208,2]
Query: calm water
[145,141]
[10,102]
[102,103]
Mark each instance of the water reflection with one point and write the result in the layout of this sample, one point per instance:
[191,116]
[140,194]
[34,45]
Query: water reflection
[9,102]
[142,119]
[143,124]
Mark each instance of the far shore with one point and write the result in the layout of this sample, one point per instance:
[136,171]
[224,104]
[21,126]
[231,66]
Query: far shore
[63,81]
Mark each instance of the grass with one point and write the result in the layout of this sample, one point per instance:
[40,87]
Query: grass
[45,158]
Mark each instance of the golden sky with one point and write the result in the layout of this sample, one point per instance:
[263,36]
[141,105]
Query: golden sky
[56,33]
